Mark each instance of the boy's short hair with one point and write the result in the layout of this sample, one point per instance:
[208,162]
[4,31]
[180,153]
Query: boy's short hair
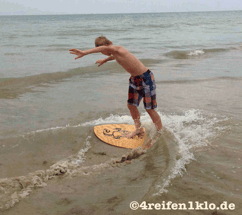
[101,41]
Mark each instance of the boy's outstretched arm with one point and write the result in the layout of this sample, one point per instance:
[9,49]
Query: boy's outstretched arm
[81,53]
[102,61]
[77,52]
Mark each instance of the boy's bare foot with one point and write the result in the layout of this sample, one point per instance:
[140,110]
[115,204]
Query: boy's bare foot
[131,134]
[140,132]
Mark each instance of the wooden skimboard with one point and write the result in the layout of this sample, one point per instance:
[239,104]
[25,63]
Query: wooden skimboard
[113,134]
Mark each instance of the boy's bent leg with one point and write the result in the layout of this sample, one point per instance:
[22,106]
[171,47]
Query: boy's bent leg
[155,118]
[136,117]
[157,121]
[149,96]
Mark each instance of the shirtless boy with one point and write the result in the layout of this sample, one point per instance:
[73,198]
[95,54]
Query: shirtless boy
[141,82]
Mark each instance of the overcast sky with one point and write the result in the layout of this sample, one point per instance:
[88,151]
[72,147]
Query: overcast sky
[30,7]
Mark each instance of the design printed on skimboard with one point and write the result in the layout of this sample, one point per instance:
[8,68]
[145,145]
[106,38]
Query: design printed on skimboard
[107,132]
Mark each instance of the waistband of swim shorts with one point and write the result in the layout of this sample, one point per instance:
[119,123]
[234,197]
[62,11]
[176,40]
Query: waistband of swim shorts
[142,75]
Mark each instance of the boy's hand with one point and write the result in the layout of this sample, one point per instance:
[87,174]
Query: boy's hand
[77,52]
[101,62]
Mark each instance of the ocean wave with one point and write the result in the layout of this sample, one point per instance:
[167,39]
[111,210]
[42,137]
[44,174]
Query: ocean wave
[13,87]
[199,80]
[184,54]
[11,45]
[195,53]
[154,26]
[30,46]
[11,36]
[12,54]
[217,50]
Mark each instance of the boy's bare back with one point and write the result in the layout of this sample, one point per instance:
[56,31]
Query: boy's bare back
[128,61]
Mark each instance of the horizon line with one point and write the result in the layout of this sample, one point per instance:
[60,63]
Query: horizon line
[50,14]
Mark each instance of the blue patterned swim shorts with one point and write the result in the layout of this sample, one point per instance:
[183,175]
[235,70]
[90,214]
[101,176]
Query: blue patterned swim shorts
[143,86]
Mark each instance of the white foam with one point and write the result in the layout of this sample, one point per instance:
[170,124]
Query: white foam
[55,128]
[191,129]
[196,53]
[81,154]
